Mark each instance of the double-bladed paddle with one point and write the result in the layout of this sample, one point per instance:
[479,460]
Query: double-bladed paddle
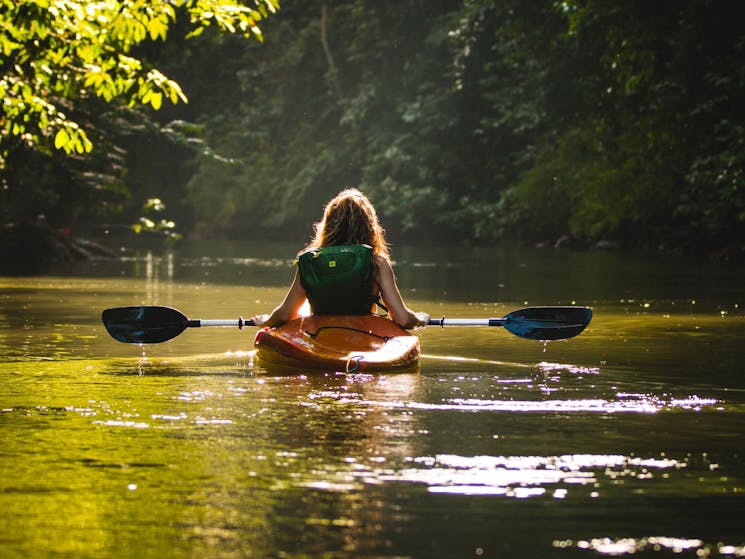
[153,325]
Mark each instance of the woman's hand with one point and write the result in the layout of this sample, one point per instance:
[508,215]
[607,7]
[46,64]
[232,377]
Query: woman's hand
[260,319]
[422,319]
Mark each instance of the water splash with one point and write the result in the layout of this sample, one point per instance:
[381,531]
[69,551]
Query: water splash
[142,362]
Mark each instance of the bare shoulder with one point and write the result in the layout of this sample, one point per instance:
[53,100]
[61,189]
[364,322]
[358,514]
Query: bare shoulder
[381,260]
[382,264]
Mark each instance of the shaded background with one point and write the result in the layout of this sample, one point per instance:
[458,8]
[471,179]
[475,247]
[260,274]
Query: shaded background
[570,122]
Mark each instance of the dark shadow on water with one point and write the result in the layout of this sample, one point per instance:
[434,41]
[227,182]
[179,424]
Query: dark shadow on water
[173,373]
[140,367]
[213,368]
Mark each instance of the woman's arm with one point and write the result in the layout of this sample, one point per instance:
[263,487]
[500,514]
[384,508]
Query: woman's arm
[288,309]
[392,299]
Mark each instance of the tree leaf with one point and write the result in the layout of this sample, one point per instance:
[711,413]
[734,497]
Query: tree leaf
[156,100]
[61,138]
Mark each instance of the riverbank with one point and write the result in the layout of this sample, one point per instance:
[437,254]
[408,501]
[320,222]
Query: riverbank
[27,246]
[30,247]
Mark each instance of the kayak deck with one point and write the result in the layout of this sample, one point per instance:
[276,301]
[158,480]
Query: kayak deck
[349,343]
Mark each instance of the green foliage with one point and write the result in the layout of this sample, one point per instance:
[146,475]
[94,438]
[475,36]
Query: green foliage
[70,76]
[56,51]
[650,155]
[341,103]
[479,120]
[149,223]
[714,200]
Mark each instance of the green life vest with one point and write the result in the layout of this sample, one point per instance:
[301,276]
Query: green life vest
[338,279]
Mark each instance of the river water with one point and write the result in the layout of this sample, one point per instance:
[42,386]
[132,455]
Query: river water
[627,440]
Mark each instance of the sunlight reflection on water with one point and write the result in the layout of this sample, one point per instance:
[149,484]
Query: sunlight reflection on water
[548,368]
[636,403]
[630,546]
[517,477]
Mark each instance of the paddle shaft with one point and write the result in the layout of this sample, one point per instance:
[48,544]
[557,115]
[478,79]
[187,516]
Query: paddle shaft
[465,322]
[197,323]
[240,323]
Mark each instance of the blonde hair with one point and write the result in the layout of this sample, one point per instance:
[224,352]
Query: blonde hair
[350,219]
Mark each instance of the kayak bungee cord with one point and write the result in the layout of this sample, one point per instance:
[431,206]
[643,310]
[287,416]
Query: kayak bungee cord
[314,335]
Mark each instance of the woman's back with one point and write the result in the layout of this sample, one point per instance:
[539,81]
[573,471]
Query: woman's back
[339,279]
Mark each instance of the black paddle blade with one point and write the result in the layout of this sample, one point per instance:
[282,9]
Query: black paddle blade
[144,325]
[547,323]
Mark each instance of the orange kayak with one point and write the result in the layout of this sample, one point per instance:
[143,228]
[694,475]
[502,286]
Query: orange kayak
[349,343]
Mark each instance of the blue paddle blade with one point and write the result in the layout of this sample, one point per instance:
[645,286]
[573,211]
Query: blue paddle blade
[546,323]
[144,325]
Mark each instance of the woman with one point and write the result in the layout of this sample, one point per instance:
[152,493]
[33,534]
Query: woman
[348,219]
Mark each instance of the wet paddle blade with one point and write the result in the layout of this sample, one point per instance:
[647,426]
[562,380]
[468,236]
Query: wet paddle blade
[547,323]
[144,325]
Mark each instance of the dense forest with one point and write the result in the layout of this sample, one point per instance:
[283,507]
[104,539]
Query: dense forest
[583,122]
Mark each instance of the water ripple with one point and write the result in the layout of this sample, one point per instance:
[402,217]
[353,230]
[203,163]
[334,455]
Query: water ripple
[517,477]
[626,402]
